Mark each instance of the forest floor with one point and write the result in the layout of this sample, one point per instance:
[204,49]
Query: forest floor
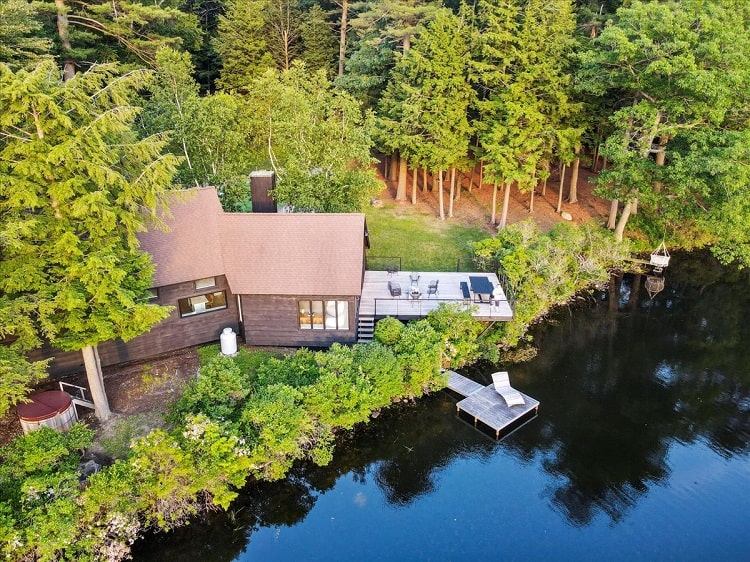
[139,393]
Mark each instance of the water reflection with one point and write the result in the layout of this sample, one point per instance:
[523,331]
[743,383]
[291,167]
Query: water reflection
[620,384]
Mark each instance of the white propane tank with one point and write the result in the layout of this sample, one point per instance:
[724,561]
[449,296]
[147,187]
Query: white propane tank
[228,342]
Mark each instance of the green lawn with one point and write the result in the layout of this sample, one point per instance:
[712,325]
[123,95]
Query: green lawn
[422,241]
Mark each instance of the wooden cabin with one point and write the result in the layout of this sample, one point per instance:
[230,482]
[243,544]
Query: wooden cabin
[281,279]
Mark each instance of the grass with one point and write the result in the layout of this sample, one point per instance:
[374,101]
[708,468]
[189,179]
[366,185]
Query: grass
[423,242]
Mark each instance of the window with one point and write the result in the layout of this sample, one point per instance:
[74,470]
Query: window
[202,303]
[324,315]
[205,283]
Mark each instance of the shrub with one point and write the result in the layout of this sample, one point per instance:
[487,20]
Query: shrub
[218,392]
[388,331]
[547,270]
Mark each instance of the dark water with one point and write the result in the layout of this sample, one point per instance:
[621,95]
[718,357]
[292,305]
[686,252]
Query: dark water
[640,452]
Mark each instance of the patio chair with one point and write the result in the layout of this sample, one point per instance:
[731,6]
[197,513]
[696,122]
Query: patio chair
[394,288]
[432,288]
[512,397]
[414,278]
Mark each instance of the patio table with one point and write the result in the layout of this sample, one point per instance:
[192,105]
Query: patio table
[481,287]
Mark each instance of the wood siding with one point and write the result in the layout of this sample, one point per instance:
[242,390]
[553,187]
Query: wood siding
[170,334]
[274,320]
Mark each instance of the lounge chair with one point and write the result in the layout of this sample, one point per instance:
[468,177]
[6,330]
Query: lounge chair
[511,396]
[432,288]
[394,288]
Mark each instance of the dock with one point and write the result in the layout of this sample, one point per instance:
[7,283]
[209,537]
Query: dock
[486,406]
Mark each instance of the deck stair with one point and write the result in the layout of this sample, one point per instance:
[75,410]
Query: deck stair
[77,395]
[365,328]
[485,405]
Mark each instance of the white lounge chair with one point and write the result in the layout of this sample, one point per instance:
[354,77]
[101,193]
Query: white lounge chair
[512,397]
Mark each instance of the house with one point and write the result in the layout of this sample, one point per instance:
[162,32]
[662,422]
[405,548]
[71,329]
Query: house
[278,279]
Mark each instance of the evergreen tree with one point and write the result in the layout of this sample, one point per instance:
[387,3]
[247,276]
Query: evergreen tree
[76,185]
[424,109]
[241,44]
[527,114]
[318,41]
[20,40]
[125,31]
[383,27]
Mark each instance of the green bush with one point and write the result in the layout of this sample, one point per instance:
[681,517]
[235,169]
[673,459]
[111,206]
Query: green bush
[218,392]
[388,330]
[547,270]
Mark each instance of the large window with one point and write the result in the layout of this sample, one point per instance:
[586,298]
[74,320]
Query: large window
[202,303]
[324,315]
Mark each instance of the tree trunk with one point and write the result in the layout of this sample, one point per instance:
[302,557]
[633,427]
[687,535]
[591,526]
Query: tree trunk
[459,180]
[562,185]
[452,193]
[612,214]
[661,158]
[342,34]
[634,210]
[494,203]
[96,381]
[401,189]
[620,230]
[386,162]
[595,158]
[531,201]
[414,186]
[424,179]
[63,31]
[573,197]
[440,195]
[393,167]
[506,201]
[481,174]
[471,177]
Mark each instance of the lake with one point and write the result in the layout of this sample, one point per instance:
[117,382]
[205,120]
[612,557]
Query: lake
[640,452]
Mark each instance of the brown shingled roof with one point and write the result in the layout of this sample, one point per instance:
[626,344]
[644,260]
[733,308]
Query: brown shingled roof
[316,254]
[190,249]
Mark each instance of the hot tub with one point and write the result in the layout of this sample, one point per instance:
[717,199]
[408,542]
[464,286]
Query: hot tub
[51,408]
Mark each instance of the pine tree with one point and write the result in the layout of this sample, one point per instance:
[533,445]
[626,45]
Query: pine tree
[424,109]
[241,44]
[318,41]
[127,31]
[527,115]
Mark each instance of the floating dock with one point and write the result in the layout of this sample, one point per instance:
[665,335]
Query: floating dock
[486,406]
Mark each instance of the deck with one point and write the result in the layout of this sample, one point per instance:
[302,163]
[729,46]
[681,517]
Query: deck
[377,301]
[485,405]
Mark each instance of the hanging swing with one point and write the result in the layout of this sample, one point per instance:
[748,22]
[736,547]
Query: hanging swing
[660,258]
[654,285]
